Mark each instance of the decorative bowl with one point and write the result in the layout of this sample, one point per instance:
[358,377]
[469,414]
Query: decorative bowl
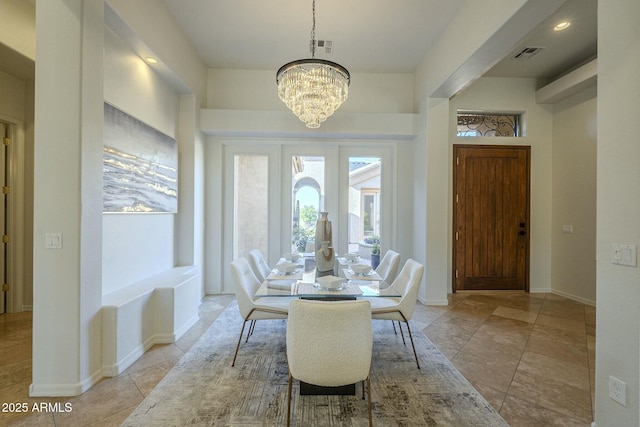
[361,269]
[286,267]
[293,256]
[351,256]
[330,282]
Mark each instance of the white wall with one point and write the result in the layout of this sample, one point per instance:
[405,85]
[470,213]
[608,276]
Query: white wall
[13,93]
[518,95]
[618,211]
[136,246]
[18,29]
[257,90]
[573,262]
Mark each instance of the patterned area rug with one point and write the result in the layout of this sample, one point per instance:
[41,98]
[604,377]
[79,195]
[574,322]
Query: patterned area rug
[204,390]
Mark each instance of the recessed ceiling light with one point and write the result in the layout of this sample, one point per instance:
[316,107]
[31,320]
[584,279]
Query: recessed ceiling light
[151,60]
[562,26]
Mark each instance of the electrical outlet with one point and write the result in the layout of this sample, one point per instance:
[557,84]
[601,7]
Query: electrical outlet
[618,390]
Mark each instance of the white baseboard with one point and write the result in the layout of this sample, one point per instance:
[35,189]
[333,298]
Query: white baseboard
[53,390]
[574,298]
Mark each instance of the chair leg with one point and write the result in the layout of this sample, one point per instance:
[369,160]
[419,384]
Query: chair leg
[238,346]
[393,323]
[369,393]
[289,401]
[401,333]
[252,326]
[412,345]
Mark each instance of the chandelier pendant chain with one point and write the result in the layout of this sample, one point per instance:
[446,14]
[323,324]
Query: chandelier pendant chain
[313,30]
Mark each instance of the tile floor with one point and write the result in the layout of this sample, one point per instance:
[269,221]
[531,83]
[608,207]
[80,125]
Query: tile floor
[530,355]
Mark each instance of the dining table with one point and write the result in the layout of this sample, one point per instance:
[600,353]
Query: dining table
[302,282]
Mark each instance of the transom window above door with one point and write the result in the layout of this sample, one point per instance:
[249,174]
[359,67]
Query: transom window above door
[488,124]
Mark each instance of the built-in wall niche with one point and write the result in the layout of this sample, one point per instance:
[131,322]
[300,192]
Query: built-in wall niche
[140,166]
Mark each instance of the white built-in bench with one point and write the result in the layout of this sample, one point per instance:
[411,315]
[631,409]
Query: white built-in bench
[159,309]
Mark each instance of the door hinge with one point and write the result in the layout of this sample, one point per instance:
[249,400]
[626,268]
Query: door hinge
[456,235]
[457,160]
[456,198]
[5,239]
[6,141]
[456,274]
[5,287]
[5,189]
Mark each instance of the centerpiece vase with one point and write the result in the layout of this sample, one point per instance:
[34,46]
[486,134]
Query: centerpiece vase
[325,256]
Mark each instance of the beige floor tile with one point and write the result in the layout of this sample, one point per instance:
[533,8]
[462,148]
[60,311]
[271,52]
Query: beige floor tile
[552,394]
[520,413]
[504,332]
[472,310]
[566,372]
[493,396]
[514,313]
[492,365]
[450,334]
[554,334]
[159,353]
[569,353]
[572,326]
[563,309]
[103,400]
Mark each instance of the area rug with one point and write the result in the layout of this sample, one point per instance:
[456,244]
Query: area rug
[204,390]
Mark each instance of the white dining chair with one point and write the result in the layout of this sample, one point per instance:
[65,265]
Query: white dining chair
[407,283]
[329,344]
[259,264]
[388,267]
[251,308]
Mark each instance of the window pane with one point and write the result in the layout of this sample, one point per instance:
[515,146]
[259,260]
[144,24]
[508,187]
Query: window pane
[364,203]
[488,124]
[308,199]
[251,203]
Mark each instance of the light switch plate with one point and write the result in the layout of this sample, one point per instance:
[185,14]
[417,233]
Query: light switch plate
[623,254]
[53,241]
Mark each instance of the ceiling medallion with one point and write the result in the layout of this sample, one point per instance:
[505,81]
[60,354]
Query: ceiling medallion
[313,88]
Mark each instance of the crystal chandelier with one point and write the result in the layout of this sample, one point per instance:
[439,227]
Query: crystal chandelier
[313,88]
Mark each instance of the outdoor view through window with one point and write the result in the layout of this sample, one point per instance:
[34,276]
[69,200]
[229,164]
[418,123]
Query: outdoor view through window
[308,186]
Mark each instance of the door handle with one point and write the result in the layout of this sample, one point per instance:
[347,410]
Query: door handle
[522,233]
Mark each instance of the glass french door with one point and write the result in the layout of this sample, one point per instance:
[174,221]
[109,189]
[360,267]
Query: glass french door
[251,205]
[272,194]
[309,187]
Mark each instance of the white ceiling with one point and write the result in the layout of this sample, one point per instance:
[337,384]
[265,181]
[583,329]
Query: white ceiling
[370,36]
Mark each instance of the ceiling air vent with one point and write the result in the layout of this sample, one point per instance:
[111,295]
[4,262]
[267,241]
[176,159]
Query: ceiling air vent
[526,52]
[326,45]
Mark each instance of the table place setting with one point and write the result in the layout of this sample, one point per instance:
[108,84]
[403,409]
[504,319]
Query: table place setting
[350,258]
[286,270]
[281,285]
[361,272]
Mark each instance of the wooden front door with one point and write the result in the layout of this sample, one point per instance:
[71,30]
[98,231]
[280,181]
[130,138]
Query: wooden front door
[491,218]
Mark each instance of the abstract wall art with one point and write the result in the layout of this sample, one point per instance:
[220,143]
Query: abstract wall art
[140,166]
